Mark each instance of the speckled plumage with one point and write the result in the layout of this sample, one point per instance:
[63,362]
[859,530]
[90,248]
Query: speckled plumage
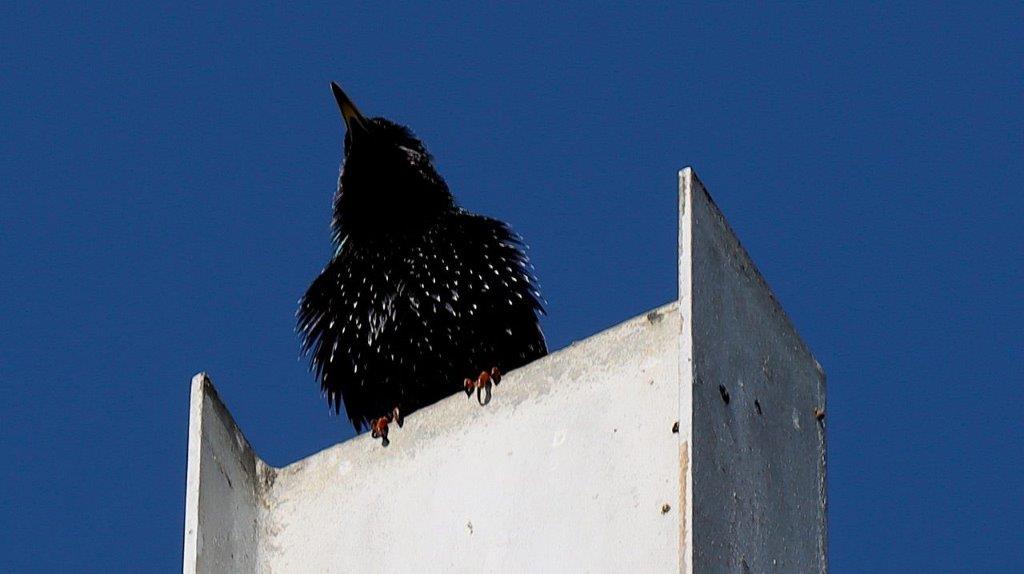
[420,293]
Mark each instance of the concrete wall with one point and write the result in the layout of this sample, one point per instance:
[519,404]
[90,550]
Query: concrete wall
[221,507]
[577,463]
[758,447]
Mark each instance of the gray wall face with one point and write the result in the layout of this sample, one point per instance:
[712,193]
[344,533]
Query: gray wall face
[568,469]
[574,466]
[759,467]
[221,501]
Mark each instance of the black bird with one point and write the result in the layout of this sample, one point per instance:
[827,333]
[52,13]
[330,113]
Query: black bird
[421,299]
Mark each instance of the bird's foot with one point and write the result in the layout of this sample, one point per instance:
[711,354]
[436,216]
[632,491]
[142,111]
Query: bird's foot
[483,383]
[379,426]
[379,429]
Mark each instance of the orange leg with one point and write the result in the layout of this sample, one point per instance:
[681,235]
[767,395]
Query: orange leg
[379,426]
[379,429]
[483,382]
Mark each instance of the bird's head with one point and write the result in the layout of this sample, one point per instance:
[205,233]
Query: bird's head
[388,183]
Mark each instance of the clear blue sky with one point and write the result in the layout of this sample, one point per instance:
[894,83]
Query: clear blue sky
[166,183]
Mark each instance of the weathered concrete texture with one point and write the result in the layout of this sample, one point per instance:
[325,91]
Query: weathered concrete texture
[577,464]
[568,467]
[221,500]
[758,447]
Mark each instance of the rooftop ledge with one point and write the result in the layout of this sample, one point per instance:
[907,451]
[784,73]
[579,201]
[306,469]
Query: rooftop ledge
[688,439]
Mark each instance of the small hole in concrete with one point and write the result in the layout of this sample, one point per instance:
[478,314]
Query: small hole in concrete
[757,407]
[665,508]
[675,427]
[724,392]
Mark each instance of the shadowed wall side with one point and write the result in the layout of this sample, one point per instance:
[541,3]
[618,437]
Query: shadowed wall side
[221,533]
[759,444]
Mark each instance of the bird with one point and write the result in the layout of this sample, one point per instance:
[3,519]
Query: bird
[421,299]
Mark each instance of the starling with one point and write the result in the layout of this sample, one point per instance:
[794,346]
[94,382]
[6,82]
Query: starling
[422,298]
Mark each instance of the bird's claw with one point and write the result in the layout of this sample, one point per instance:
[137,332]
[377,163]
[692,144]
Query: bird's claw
[483,382]
[379,429]
[379,426]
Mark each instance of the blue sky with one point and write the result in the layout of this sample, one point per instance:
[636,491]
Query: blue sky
[166,180]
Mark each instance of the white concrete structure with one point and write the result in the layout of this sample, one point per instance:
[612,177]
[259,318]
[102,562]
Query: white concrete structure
[689,439]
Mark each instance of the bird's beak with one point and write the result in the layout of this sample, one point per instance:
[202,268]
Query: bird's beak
[349,111]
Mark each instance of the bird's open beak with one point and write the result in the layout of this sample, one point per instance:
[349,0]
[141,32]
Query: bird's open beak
[349,111]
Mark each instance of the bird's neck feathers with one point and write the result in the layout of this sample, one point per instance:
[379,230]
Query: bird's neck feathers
[388,198]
